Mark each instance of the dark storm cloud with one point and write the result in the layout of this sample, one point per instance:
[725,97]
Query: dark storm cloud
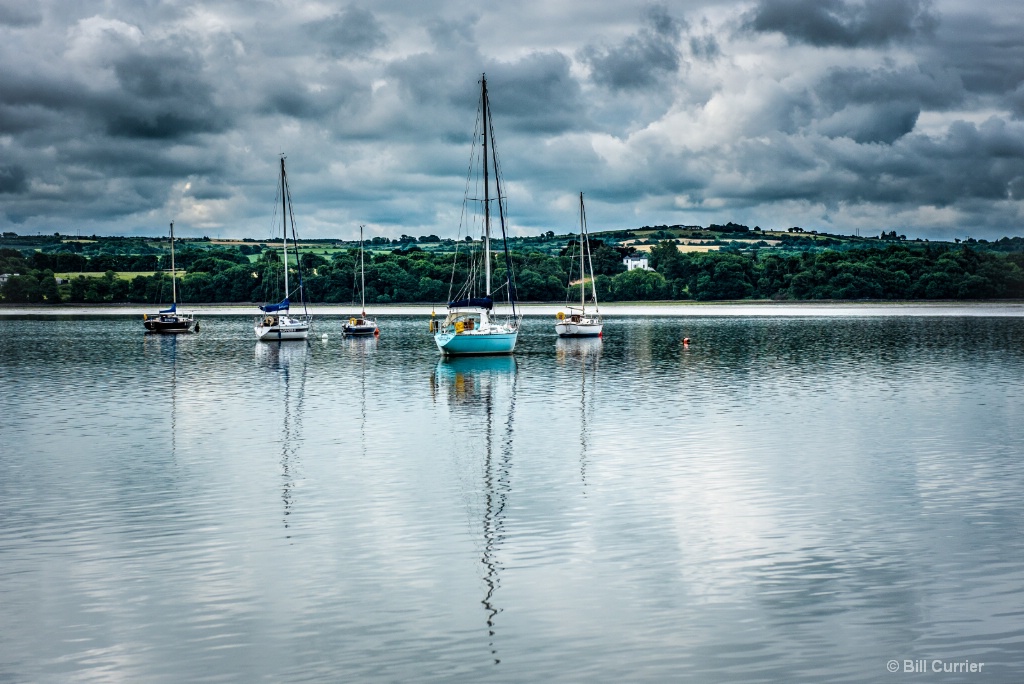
[988,55]
[18,13]
[1015,100]
[705,47]
[882,122]
[207,189]
[842,23]
[642,59]
[537,93]
[882,105]
[930,89]
[12,179]
[970,163]
[443,77]
[159,96]
[337,90]
[162,97]
[353,32]
[29,88]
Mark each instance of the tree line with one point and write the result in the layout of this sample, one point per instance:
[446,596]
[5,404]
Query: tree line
[891,271]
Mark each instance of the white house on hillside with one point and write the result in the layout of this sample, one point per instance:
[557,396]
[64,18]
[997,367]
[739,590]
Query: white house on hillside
[638,260]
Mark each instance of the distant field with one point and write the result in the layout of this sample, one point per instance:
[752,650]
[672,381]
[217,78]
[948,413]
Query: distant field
[683,248]
[123,275]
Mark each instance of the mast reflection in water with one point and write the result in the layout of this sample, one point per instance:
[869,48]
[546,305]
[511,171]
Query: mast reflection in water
[586,352]
[483,389]
[283,360]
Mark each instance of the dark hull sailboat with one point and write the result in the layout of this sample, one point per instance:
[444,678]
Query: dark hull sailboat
[361,326]
[169,320]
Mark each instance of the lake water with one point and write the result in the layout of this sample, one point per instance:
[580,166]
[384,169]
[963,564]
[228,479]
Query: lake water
[783,500]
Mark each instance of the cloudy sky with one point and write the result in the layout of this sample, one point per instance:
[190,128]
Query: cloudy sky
[839,115]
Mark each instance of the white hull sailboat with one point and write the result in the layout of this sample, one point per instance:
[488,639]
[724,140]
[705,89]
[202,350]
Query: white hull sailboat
[171,320]
[273,328]
[277,323]
[578,323]
[361,325]
[471,327]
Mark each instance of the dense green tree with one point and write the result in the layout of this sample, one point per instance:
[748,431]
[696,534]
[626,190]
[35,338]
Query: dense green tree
[639,285]
[24,288]
[881,270]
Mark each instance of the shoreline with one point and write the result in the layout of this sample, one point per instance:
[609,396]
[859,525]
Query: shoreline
[1014,308]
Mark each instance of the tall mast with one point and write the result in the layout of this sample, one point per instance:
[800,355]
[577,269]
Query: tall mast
[174,286]
[487,199]
[362,273]
[284,224]
[590,256]
[583,270]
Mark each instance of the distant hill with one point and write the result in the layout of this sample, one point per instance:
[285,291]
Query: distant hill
[717,262]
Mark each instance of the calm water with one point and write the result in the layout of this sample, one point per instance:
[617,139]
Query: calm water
[796,500]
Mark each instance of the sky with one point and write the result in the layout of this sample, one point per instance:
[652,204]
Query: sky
[843,116]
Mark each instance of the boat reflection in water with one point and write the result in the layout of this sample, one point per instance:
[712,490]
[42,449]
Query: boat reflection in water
[584,353]
[364,347]
[468,378]
[288,363]
[586,348]
[163,350]
[481,392]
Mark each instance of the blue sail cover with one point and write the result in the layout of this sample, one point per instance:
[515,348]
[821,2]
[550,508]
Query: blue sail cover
[271,308]
[174,307]
[476,302]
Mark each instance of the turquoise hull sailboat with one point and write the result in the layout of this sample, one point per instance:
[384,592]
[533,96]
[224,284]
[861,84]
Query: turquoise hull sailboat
[471,327]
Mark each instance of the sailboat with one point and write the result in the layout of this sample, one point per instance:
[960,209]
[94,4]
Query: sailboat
[578,323]
[170,320]
[277,323]
[361,325]
[471,326]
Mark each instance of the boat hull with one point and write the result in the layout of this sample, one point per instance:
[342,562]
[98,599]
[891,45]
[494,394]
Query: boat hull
[476,343]
[168,325]
[359,330]
[278,333]
[290,329]
[579,329]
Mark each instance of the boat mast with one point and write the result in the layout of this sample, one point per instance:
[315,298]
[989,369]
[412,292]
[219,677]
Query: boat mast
[487,199]
[590,256]
[583,270]
[284,225]
[174,286]
[362,273]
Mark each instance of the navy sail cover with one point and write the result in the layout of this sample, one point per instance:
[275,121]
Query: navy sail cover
[174,307]
[475,302]
[271,308]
